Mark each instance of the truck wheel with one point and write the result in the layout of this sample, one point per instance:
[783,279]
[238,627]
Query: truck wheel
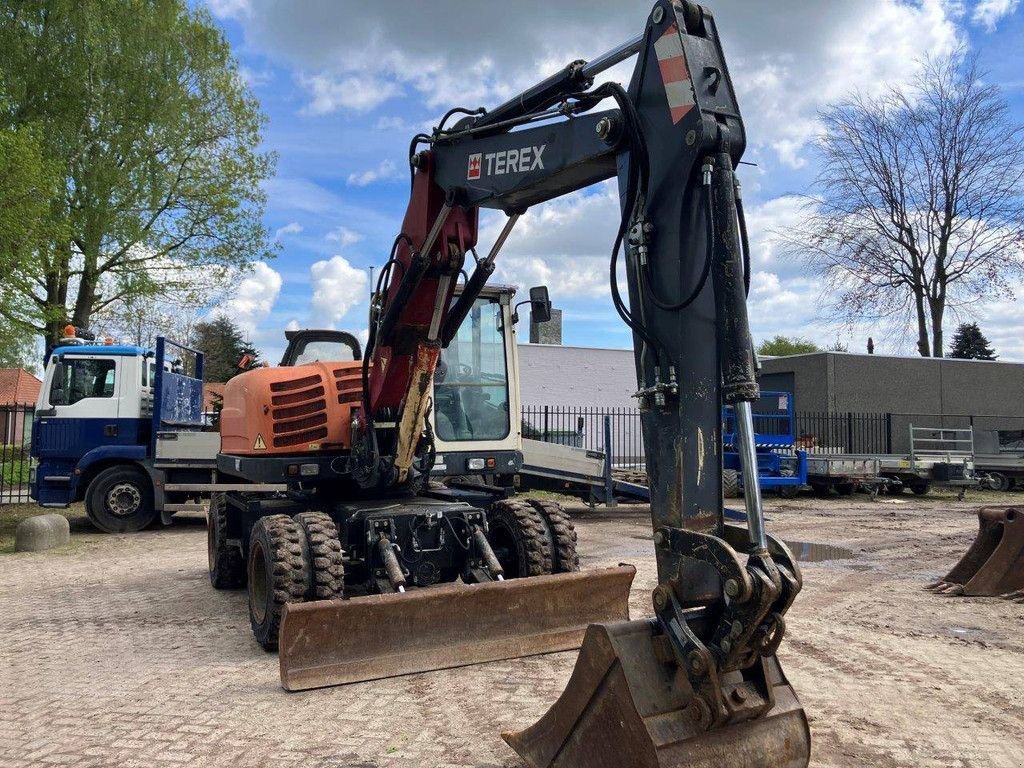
[844,489]
[730,483]
[227,566]
[120,500]
[788,491]
[278,573]
[562,535]
[920,488]
[325,557]
[997,481]
[519,537]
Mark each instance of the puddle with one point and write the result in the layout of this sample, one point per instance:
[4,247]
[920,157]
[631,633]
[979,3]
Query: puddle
[810,552]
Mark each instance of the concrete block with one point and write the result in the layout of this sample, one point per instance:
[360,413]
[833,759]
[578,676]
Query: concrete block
[35,534]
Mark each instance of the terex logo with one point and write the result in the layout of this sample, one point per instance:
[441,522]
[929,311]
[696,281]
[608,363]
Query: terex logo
[507,161]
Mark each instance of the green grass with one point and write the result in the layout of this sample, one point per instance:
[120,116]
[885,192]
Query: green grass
[14,465]
[12,514]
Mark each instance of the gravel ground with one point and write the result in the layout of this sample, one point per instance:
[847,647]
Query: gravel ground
[118,652]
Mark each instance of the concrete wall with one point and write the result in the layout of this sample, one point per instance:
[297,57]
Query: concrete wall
[576,376]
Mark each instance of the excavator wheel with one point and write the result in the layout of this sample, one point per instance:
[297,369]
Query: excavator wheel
[731,484]
[325,556]
[279,572]
[227,566]
[562,534]
[520,540]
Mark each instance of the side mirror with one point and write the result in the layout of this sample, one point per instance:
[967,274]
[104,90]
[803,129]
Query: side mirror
[540,304]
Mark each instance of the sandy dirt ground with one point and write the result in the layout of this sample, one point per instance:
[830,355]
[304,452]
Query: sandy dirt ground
[118,652]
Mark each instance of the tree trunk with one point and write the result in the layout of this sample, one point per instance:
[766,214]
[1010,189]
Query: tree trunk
[938,310]
[922,324]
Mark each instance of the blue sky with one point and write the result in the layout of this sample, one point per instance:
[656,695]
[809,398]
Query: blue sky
[346,84]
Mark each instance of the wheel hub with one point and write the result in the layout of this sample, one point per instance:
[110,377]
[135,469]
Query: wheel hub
[123,499]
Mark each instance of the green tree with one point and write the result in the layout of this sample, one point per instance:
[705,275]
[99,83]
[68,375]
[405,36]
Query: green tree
[782,345]
[140,104]
[224,346]
[969,343]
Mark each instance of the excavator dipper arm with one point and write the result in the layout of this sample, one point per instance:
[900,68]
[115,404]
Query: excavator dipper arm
[699,684]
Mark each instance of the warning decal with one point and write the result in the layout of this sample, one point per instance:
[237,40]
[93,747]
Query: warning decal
[260,444]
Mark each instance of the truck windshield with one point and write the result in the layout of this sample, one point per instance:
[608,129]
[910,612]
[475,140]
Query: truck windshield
[326,351]
[471,381]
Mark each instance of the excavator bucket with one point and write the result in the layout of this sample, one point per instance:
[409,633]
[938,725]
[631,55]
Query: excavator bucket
[622,699]
[994,564]
[334,642]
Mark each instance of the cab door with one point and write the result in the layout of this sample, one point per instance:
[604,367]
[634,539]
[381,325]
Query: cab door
[80,409]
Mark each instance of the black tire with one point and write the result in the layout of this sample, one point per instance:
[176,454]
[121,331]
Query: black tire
[821,489]
[731,484]
[844,489]
[920,489]
[120,500]
[519,537]
[278,573]
[997,481]
[227,566]
[788,491]
[562,535]
[325,555]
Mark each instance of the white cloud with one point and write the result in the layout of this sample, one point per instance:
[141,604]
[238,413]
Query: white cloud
[385,170]
[987,13]
[252,299]
[343,236]
[293,325]
[788,59]
[356,92]
[337,287]
[255,77]
[292,228]
[230,9]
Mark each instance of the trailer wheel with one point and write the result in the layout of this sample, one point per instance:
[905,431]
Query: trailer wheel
[562,534]
[997,481]
[227,566]
[788,491]
[844,489]
[920,488]
[279,573]
[325,555]
[730,483]
[519,537]
[120,500]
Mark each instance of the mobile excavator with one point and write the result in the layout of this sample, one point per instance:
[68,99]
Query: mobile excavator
[698,684]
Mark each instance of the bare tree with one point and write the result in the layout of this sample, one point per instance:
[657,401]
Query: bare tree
[919,205]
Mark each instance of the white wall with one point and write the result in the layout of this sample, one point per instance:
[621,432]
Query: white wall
[577,376]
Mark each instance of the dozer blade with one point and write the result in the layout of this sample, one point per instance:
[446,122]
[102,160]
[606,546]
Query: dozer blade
[994,564]
[624,707]
[334,642]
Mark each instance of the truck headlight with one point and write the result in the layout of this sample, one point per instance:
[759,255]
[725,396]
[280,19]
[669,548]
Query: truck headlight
[476,464]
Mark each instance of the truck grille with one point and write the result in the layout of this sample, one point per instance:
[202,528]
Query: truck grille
[298,411]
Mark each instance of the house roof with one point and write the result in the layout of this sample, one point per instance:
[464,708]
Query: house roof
[18,386]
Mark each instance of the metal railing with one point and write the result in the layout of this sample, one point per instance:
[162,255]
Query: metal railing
[15,452]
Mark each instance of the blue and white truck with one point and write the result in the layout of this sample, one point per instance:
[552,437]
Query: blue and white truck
[121,428]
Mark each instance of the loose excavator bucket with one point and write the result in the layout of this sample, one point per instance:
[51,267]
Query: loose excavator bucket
[994,565]
[334,642]
[624,706]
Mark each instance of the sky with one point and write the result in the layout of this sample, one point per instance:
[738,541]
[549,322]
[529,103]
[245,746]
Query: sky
[346,84]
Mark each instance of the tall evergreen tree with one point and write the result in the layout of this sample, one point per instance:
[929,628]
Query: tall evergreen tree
[224,347]
[969,343]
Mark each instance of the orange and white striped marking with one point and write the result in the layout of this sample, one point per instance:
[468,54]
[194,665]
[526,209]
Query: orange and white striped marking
[675,74]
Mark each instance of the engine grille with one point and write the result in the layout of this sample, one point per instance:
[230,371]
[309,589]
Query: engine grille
[298,411]
[349,384]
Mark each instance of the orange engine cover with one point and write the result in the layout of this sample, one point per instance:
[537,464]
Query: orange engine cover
[300,409]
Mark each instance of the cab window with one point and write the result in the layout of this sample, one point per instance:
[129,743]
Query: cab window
[78,379]
[471,381]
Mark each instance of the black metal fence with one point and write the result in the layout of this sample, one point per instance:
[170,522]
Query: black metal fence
[15,458]
[583,427]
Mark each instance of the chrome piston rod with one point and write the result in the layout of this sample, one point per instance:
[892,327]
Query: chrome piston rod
[751,486]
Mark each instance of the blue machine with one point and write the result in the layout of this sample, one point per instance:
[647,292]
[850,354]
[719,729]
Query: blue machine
[780,465]
[99,412]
